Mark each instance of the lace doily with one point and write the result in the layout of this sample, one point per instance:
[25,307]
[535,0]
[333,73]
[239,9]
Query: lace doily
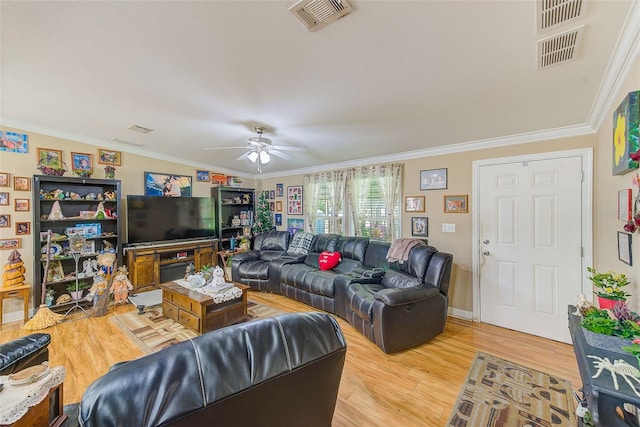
[218,297]
[15,400]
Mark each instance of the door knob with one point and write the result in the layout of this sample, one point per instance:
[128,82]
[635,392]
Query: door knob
[486,242]
[485,253]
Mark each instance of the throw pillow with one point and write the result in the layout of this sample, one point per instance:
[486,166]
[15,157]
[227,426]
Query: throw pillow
[327,260]
[300,243]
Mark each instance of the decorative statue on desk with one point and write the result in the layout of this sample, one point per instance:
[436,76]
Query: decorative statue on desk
[218,277]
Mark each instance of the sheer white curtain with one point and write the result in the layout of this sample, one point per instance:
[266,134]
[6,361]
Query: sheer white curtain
[360,183]
[390,182]
[335,201]
[311,197]
[324,192]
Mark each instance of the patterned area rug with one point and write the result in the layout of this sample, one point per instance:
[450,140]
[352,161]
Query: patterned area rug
[152,331]
[501,393]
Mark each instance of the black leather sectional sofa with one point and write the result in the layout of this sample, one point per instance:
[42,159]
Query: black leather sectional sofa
[395,305]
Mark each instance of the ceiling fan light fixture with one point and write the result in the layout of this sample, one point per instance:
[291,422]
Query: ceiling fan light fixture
[253,156]
[264,157]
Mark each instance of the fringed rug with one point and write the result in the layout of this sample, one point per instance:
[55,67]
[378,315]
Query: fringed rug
[502,393]
[152,331]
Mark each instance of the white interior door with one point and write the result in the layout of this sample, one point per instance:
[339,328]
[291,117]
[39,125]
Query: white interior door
[530,243]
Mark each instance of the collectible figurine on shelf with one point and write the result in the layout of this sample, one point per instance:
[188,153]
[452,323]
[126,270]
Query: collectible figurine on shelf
[121,285]
[89,267]
[56,212]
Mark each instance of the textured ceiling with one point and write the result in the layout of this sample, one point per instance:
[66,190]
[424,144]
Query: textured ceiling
[392,77]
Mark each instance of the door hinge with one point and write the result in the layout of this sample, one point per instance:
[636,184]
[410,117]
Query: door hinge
[581,251]
[581,176]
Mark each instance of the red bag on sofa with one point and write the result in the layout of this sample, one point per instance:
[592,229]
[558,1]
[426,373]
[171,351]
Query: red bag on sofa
[327,260]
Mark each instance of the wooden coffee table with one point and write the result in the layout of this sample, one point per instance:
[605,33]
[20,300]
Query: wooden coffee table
[198,312]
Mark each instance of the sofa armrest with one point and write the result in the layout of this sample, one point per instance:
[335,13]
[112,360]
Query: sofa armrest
[23,352]
[245,256]
[401,296]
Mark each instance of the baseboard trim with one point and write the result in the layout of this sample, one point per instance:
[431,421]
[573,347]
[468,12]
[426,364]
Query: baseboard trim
[462,314]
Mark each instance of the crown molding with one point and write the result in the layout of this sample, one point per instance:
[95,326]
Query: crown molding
[107,143]
[622,60]
[522,138]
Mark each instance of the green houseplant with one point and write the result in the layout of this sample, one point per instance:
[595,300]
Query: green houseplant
[82,285]
[608,287]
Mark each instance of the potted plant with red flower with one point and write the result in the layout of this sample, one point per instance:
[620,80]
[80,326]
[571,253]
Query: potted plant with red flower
[608,287]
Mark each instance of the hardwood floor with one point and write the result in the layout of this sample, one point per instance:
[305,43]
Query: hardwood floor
[417,387]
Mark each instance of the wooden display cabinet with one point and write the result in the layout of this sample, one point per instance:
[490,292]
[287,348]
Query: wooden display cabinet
[154,264]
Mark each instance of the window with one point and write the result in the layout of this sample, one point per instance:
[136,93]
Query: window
[326,221]
[371,217]
[363,201]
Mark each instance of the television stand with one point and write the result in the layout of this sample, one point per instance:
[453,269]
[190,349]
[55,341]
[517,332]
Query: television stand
[154,264]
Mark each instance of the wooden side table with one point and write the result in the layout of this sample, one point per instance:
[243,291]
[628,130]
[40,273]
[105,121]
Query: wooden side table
[15,292]
[224,256]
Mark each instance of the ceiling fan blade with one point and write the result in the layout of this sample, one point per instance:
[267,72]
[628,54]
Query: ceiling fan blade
[224,148]
[288,148]
[281,155]
[245,155]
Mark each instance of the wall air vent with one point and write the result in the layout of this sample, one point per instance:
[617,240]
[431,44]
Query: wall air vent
[315,14]
[559,48]
[553,13]
[140,129]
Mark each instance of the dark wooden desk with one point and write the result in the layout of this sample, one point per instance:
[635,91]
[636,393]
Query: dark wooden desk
[601,396]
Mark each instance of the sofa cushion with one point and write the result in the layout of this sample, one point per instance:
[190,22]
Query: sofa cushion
[360,298]
[300,244]
[353,247]
[271,240]
[327,260]
[324,242]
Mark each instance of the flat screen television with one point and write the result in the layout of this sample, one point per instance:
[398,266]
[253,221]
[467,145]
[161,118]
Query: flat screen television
[152,219]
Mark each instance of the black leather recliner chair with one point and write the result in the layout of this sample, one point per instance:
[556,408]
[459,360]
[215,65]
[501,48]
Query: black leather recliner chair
[252,268]
[23,352]
[408,306]
[280,371]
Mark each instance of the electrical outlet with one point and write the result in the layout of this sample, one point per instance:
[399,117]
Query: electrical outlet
[448,228]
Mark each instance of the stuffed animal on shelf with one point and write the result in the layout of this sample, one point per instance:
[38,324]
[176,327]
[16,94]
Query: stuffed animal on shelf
[120,286]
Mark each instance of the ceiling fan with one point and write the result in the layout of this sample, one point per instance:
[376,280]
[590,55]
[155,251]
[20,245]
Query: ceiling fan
[260,149]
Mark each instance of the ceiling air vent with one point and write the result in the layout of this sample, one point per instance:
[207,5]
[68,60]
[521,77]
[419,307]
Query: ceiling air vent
[315,14]
[553,13]
[560,48]
[137,128]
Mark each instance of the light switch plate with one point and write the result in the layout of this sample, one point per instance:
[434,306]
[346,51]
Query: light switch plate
[448,228]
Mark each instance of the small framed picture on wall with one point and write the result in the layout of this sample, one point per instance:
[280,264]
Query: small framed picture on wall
[21,183]
[21,205]
[23,227]
[624,248]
